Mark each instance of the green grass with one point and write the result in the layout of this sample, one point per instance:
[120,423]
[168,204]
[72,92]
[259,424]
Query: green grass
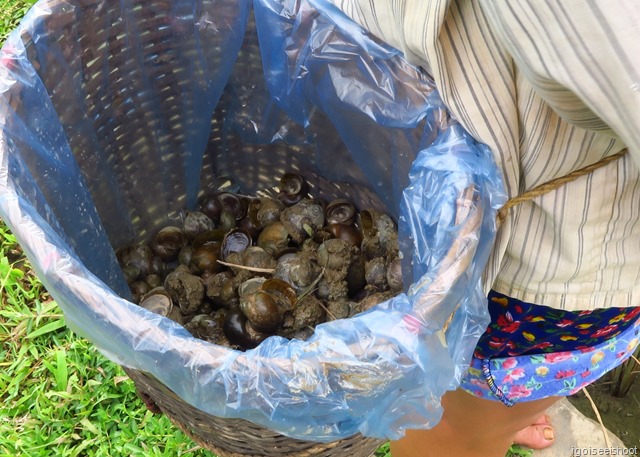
[57,391]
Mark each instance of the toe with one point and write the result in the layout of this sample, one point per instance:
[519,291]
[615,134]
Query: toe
[538,436]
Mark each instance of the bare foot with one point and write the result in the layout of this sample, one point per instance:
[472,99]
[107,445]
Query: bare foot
[538,435]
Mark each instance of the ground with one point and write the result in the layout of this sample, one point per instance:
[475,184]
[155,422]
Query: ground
[620,415]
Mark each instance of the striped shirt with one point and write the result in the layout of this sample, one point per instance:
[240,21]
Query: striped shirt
[550,87]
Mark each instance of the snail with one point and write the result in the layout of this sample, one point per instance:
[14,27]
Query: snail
[242,268]
[293,188]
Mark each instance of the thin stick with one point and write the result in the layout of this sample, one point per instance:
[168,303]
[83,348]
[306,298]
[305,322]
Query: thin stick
[242,267]
[327,310]
[311,286]
[595,410]
[635,358]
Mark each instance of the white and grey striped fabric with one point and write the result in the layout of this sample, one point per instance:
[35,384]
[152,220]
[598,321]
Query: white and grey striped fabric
[551,86]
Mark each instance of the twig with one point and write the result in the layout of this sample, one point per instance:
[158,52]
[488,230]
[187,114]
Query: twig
[242,267]
[595,410]
[311,286]
[327,310]
[635,358]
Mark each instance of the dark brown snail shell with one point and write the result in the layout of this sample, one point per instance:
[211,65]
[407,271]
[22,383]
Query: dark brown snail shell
[285,295]
[210,236]
[253,336]
[240,332]
[303,219]
[233,204]
[210,206]
[293,188]
[138,256]
[263,211]
[236,240]
[185,255]
[154,280]
[274,238]
[168,242]
[346,232]
[131,273]
[157,300]
[139,288]
[234,329]
[251,285]
[196,222]
[394,275]
[157,267]
[206,257]
[262,310]
[256,257]
[376,273]
[340,211]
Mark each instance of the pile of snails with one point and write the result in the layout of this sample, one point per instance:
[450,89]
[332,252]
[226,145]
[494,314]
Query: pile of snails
[240,268]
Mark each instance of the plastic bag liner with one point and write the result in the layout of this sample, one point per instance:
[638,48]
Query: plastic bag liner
[115,116]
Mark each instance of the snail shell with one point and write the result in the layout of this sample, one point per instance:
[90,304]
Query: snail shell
[236,240]
[157,300]
[262,310]
[138,256]
[293,188]
[196,222]
[394,275]
[274,238]
[167,243]
[303,219]
[340,211]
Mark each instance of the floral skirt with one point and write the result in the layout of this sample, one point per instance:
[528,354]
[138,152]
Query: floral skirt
[529,351]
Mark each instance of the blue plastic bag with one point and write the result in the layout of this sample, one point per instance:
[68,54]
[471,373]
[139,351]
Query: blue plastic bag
[114,116]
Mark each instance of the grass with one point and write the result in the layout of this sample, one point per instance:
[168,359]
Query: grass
[58,392]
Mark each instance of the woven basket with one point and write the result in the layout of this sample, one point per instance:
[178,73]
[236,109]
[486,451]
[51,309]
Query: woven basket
[92,36]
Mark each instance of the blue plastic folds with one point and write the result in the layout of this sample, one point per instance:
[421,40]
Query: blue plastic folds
[108,115]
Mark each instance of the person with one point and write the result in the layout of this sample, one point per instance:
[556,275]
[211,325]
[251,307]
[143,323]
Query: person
[553,88]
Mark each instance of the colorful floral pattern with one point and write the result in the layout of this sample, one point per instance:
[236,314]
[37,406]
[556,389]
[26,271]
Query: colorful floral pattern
[531,351]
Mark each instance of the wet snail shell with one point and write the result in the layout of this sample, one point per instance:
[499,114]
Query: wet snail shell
[206,257]
[233,204]
[394,275]
[240,332]
[262,310]
[157,300]
[286,296]
[274,238]
[256,257]
[210,236]
[346,232]
[236,240]
[196,222]
[168,242]
[340,211]
[376,273]
[263,211]
[293,188]
[210,206]
[303,219]
[137,255]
